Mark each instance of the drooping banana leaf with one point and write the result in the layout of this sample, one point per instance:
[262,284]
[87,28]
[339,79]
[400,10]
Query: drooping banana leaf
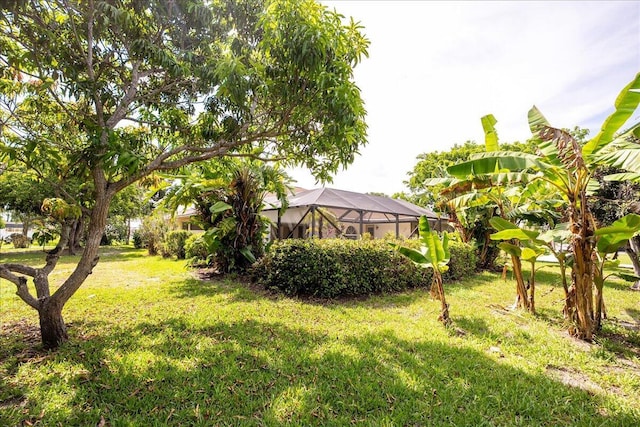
[530,254]
[494,162]
[511,249]
[625,156]
[517,233]
[625,176]
[625,106]
[616,234]
[502,224]
[470,200]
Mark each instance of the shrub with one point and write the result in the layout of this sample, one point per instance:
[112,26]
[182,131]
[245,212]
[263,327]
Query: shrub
[335,267]
[174,243]
[153,230]
[20,241]
[115,231]
[463,262]
[196,250]
[137,239]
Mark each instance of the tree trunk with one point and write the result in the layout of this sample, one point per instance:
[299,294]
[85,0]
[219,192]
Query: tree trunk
[437,291]
[598,282]
[521,289]
[72,238]
[632,249]
[532,289]
[53,331]
[26,223]
[582,244]
[52,327]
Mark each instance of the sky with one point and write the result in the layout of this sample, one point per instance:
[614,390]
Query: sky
[435,68]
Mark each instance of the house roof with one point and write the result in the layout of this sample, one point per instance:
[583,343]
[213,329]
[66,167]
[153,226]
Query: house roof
[348,205]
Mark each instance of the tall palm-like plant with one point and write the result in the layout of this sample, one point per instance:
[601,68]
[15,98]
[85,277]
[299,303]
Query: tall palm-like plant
[229,199]
[567,166]
[434,254]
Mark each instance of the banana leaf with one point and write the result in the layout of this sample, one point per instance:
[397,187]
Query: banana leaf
[490,134]
[616,234]
[625,106]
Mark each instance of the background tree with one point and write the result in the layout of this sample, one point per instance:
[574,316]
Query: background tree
[22,194]
[117,91]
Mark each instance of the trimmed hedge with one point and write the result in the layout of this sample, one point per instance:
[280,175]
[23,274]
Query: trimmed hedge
[332,268]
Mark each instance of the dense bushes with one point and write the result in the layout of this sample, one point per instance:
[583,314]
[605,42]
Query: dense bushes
[174,243]
[463,261]
[333,267]
[196,250]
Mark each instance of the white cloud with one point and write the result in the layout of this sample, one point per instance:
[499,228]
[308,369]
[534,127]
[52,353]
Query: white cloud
[436,67]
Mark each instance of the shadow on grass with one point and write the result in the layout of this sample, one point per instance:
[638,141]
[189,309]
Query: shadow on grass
[235,290]
[34,256]
[175,372]
[634,314]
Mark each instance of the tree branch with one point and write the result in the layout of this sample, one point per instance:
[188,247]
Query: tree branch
[21,284]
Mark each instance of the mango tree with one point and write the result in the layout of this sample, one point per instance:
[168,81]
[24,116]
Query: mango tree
[113,92]
[433,253]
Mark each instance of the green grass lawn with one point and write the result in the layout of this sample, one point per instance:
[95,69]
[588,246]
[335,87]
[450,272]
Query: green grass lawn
[151,346]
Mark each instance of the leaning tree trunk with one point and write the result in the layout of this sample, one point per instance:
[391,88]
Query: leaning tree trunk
[521,289]
[52,327]
[633,250]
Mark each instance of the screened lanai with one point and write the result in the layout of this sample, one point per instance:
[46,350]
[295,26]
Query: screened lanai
[327,212]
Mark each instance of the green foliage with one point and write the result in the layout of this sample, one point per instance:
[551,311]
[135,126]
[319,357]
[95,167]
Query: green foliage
[433,251]
[196,250]
[620,231]
[331,268]
[462,262]
[115,231]
[434,165]
[138,239]
[110,93]
[153,230]
[228,196]
[45,232]
[175,241]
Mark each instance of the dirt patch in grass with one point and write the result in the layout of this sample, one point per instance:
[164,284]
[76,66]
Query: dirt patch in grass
[573,378]
[21,341]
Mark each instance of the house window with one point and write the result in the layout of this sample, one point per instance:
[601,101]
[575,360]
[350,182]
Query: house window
[351,233]
[371,229]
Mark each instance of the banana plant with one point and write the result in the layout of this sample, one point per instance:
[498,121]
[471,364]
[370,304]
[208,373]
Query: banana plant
[566,166]
[609,241]
[433,253]
[531,248]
